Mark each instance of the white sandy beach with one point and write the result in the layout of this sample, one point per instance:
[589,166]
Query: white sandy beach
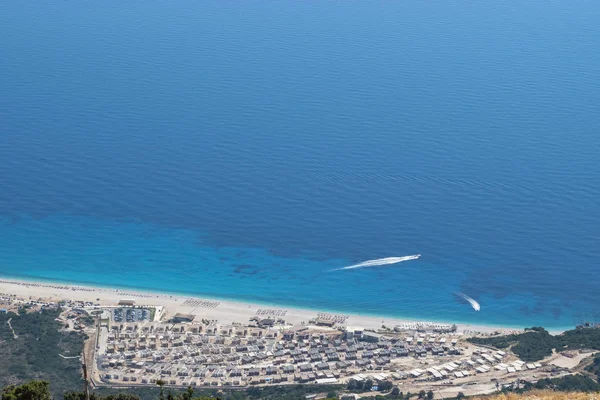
[213,309]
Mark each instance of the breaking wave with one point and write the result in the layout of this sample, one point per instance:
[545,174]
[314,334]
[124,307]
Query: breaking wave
[379,262]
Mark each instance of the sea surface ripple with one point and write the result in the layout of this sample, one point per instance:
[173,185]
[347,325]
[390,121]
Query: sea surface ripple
[243,149]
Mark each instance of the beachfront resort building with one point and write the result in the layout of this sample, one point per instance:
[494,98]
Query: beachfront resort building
[187,353]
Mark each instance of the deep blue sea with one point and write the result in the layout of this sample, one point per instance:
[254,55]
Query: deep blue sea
[244,149]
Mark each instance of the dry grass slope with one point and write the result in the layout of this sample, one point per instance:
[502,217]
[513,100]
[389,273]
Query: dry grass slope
[543,395]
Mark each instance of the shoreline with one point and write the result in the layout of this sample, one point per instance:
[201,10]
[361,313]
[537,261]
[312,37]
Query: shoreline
[226,311]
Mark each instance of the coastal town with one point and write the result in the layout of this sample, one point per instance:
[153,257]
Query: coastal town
[136,341]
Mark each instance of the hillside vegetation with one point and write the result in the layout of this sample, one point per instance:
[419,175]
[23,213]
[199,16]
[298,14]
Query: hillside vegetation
[594,367]
[34,352]
[537,343]
[40,390]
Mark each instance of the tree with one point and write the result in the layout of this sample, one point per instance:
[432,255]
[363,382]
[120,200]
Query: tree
[430,395]
[77,396]
[331,394]
[354,385]
[118,396]
[385,386]
[367,385]
[161,383]
[81,396]
[34,390]
[189,393]
[351,385]
[395,391]
[460,396]
[422,394]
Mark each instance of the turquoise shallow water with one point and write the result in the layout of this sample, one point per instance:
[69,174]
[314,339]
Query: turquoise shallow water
[243,150]
[143,256]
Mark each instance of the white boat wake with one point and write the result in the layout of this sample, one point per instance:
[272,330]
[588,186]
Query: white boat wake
[476,306]
[379,262]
